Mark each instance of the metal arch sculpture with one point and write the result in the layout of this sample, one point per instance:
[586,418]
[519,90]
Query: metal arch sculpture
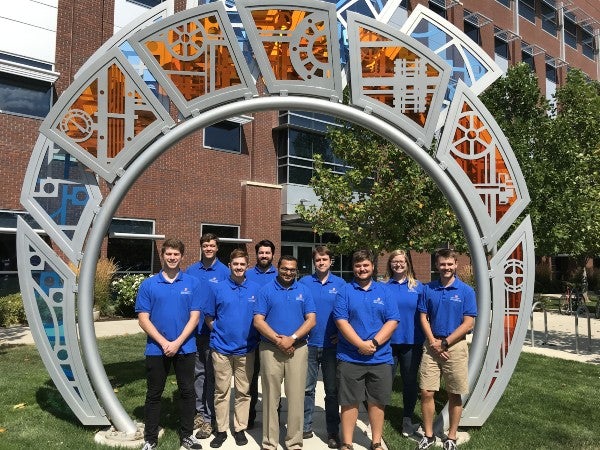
[110,123]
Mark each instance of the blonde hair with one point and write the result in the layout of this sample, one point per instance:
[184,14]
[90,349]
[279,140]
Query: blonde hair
[410,274]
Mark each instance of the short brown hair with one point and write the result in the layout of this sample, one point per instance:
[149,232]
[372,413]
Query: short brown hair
[177,244]
[239,253]
[361,255]
[206,237]
[322,250]
[446,253]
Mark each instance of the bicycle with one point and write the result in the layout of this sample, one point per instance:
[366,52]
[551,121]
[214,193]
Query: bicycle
[572,299]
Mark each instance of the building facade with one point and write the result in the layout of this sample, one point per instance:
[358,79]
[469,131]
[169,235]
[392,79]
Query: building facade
[242,178]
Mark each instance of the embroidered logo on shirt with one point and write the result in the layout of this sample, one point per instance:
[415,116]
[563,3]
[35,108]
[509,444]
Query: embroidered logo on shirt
[214,280]
[300,298]
[186,291]
[252,299]
[378,301]
[455,298]
[333,291]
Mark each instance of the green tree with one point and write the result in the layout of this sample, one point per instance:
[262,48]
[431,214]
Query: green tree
[384,201]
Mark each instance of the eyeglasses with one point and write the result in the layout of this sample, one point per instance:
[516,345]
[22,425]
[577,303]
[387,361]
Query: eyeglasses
[288,270]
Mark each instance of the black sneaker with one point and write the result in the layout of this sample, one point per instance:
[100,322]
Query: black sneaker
[220,437]
[450,444]
[190,443]
[240,438]
[333,441]
[307,434]
[425,443]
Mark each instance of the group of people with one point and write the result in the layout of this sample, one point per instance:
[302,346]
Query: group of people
[213,323]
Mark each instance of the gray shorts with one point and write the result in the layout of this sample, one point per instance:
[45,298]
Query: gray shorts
[360,382]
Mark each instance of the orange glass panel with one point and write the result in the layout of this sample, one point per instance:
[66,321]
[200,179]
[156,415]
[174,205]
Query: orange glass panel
[276,32]
[80,122]
[196,58]
[404,68]
[483,163]
[514,278]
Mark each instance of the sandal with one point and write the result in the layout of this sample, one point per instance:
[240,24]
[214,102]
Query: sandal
[346,447]
[375,445]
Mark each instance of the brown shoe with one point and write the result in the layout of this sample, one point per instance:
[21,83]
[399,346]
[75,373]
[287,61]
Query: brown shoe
[204,431]
[198,421]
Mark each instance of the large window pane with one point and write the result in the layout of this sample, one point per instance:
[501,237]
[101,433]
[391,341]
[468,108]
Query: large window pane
[224,231]
[24,96]
[548,18]
[132,255]
[527,9]
[224,136]
[570,32]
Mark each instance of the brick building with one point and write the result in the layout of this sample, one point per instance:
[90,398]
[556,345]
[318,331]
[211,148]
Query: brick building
[241,178]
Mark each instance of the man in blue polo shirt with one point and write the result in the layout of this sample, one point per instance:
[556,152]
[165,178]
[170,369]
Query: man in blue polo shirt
[262,273]
[208,270]
[284,314]
[448,309]
[366,316]
[168,307]
[233,340]
[322,341]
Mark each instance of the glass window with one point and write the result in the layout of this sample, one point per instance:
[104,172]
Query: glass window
[24,96]
[587,42]
[570,31]
[438,7]
[504,2]
[527,57]
[224,231]
[551,73]
[224,135]
[501,48]
[472,31]
[527,10]
[132,255]
[146,3]
[549,18]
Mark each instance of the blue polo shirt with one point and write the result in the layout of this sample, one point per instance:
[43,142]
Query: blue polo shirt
[285,309]
[324,295]
[409,329]
[207,274]
[446,306]
[260,277]
[169,306]
[232,307]
[366,311]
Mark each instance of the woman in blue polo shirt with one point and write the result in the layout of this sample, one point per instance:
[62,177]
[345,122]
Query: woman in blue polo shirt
[407,340]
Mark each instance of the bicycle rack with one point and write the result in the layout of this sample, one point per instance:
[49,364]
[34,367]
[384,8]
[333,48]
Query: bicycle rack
[583,309]
[543,306]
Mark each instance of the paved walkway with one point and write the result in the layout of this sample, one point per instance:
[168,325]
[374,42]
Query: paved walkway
[559,343]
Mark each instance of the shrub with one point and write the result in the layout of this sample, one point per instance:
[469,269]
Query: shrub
[12,311]
[125,290]
[465,273]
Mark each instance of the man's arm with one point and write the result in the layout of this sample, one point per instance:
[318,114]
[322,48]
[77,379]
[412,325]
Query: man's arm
[169,348]
[209,321]
[386,331]
[264,328]
[434,344]
[364,347]
[458,334]
[310,320]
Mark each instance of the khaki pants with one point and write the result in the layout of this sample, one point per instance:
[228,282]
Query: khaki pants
[240,367]
[277,367]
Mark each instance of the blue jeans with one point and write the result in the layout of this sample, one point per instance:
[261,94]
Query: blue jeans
[326,358]
[204,383]
[408,357]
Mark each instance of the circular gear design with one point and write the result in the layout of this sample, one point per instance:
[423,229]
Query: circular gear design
[476,137]
[77,124]
[514,275]
[309,50]
[187,41]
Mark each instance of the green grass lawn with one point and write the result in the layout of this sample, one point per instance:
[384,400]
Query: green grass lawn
[549,403]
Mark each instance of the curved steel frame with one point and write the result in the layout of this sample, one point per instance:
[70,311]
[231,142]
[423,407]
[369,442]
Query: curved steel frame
[456,169]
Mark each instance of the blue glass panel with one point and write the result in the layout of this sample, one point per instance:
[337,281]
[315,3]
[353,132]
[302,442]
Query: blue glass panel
[46,318]
[476,67]
[68,371]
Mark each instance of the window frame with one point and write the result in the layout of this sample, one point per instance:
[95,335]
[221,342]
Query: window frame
[216,146]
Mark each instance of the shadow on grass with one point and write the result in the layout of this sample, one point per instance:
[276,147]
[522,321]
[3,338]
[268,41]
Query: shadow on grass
[50,400]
